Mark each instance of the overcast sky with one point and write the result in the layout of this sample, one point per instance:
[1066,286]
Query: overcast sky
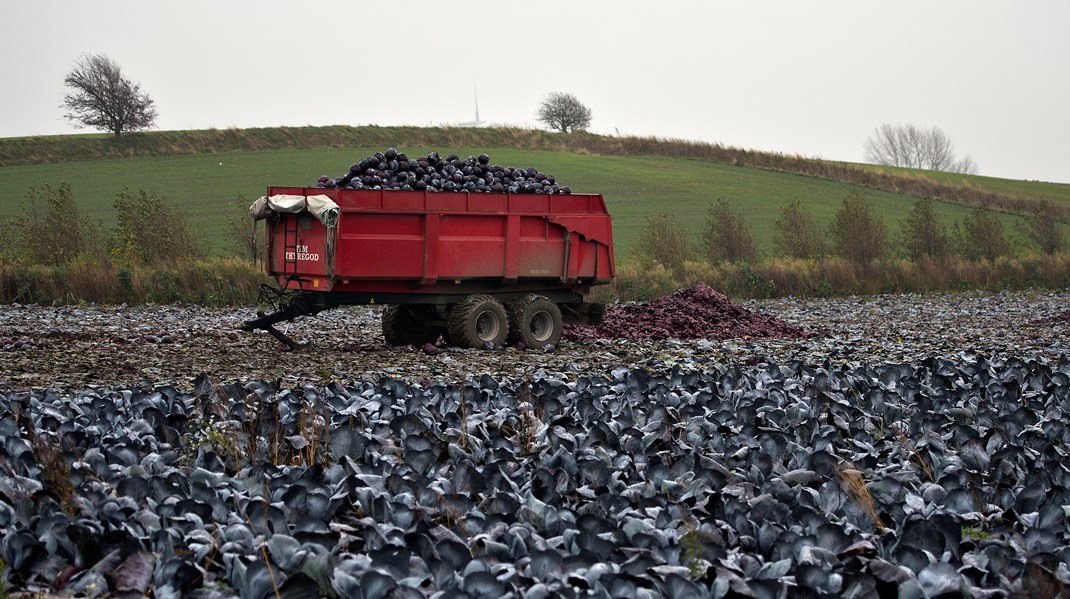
[811,78]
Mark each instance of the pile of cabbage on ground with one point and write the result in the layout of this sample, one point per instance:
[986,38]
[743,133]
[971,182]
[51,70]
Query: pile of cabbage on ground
[943,478]
[395,170]
[697,312]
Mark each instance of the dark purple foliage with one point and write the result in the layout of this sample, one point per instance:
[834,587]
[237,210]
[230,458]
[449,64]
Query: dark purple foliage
[1061,318]
[394,170]
[698,312]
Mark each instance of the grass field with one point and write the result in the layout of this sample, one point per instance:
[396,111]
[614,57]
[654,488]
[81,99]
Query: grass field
[1058,193]
[208,185]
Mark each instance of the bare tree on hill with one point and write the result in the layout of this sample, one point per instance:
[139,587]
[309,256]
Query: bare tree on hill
[102,98]
[564,112]
[915,147]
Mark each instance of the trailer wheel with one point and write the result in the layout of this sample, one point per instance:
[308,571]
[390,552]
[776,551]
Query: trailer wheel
[407,325]
[534,321]
[477,320]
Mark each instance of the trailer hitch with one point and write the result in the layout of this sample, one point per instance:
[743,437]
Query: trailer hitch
[288,306]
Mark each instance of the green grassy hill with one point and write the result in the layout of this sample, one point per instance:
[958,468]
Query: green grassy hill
[206,172]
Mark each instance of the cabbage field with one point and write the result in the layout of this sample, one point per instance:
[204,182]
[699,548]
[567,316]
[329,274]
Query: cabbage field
[894,446]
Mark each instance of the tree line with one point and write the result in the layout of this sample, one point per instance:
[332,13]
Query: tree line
[148,230]
[857,233]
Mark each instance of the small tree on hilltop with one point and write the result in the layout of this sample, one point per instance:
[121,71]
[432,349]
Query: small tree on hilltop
[105,100]
[564,112]
[796,234]
[858,233]
[983,235]
[923,235]
[726,236]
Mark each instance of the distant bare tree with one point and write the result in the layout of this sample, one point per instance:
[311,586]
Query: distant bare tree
[102,98]
[915,147]
[564,112]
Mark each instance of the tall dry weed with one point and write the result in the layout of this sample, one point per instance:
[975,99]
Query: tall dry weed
[854,484]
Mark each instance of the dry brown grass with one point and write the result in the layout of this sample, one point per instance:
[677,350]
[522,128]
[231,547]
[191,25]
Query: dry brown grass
[219,281]
[854,484]
[644,279]
[55,470]
[529,422]
[911,452]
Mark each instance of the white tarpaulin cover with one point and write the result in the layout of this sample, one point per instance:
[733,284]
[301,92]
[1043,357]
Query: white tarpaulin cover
[320,206]
[324,209]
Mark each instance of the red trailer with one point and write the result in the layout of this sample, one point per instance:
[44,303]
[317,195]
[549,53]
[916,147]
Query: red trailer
[476,268]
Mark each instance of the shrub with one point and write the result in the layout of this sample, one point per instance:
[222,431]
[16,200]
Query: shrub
[922,235]
[48,228]
[643,280]
[1042,228]
[726,237]
[663,240]
[796,234]
[151,231]
[838,276]
[858,233]
[244,232]
[698,271]
[792,276]
[983,236]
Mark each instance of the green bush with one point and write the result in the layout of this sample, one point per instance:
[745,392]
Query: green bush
[982,236]
[922,235]
[49,229]
[664,240]
[796,234]
[151,231]
[245,234]
[858,233]
[726,237]
[1042,228]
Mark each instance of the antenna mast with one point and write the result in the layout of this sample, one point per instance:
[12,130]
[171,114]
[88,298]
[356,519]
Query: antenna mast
[475,94]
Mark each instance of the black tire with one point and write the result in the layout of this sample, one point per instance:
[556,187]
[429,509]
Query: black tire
[408,325]
[477,320]
[534,321]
